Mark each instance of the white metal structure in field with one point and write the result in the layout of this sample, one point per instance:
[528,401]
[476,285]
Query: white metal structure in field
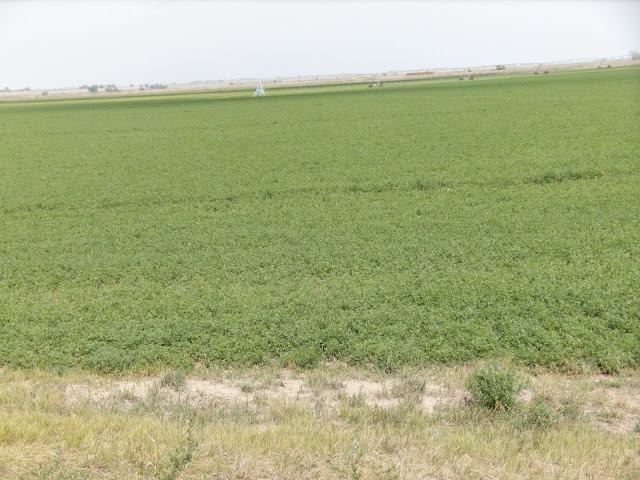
[260,91]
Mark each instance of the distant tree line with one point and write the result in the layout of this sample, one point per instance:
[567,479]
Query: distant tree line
[154,86]
[94,88]
[113,88]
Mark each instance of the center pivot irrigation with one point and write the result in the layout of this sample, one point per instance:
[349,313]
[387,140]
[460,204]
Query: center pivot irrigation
[260,91]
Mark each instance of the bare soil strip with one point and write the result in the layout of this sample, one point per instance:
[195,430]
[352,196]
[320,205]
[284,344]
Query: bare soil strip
[607,403]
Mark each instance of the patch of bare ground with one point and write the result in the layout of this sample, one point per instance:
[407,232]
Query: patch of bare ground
[613,404]
[607,403]
[253,388]
[102,391]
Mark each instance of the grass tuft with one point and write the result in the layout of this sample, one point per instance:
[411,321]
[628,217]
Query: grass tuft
[539,414]
[174,379]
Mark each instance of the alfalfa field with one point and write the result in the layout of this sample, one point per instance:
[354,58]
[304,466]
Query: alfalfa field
[419,223]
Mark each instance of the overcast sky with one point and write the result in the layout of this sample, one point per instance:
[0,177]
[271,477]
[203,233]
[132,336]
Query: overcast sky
[47,44]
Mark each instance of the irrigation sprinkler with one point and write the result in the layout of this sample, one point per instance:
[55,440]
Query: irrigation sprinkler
[260,91]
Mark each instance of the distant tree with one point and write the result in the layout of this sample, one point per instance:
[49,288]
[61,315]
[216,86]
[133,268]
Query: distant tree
[111,88]
[26,89]
[45,93]
[501,67]
[635,54]
[6,89]
[93,88]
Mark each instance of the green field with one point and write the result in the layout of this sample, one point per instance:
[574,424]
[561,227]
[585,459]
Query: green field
[416,223]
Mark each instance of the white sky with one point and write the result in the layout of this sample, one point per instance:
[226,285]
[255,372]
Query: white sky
[48,44]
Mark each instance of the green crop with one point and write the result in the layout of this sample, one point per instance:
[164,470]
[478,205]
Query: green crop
[436,222]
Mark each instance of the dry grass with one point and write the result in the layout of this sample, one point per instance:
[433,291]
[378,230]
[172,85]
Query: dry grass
[333,422]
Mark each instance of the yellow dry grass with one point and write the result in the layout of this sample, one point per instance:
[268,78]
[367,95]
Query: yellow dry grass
[331,423]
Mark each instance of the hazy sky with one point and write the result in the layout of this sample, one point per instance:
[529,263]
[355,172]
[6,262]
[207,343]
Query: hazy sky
[47,44]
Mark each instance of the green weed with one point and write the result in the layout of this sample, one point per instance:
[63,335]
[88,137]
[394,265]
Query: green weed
[494,388]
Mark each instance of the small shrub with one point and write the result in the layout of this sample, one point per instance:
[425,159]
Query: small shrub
[570,408]
[494,388]
[409,387]
[175,379]
[246,388]
[540,414]
[127,396]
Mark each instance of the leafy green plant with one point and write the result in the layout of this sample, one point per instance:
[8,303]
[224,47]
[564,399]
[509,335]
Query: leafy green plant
[494,388]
